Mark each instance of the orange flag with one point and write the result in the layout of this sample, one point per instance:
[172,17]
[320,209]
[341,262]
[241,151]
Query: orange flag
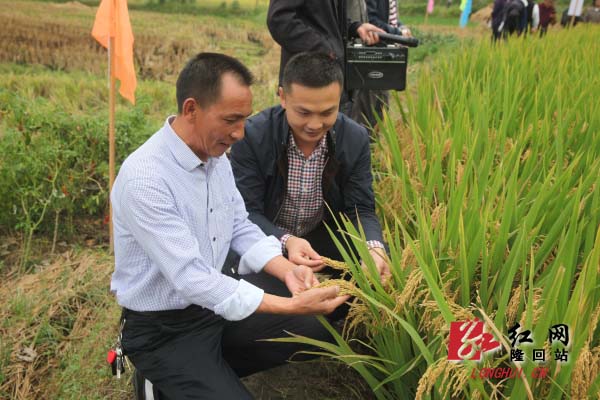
[112,20]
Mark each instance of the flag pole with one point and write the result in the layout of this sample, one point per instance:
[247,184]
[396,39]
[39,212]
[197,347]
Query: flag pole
[111,134]
[112,29]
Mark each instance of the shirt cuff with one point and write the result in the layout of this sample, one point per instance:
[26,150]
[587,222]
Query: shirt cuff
[257,256]
[283,241]
[375,244]
[242,303]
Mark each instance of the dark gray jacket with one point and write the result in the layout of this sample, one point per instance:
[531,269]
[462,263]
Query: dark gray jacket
[308,25]
[379,15]
[260,167]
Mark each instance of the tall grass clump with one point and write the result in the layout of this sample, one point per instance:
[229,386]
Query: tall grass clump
[54,149]
[490,187]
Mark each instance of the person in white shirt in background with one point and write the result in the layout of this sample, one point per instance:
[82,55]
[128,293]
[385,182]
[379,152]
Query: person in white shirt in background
[533,16]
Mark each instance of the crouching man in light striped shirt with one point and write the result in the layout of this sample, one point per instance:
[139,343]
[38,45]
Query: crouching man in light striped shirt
[190,329]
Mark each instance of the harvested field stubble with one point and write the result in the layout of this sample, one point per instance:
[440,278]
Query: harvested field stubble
[60,38]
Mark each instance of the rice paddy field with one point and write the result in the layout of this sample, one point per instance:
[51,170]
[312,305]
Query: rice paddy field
[487,176]
[488,182]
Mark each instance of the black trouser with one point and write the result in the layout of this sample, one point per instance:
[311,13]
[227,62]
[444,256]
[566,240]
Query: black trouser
[195,354]
[368,106]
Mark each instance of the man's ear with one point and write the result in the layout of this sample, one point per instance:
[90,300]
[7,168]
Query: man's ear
[281,94]
[190,108]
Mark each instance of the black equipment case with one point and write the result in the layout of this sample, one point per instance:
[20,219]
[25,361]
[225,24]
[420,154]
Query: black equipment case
[376,68]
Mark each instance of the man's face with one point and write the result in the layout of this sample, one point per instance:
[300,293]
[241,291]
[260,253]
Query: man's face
[221,124]
[310,112]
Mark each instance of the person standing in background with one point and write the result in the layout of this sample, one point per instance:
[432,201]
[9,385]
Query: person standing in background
[533,17]
[592,14]
[547,15]
[384,15]
[367,104]
[498,19]
[316,26]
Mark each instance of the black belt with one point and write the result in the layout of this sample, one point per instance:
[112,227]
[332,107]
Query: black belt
[190,311]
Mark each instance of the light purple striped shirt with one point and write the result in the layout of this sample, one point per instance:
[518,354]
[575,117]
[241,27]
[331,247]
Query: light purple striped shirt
[175,218]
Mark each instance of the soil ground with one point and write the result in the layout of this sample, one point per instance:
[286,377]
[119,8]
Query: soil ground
[317,379]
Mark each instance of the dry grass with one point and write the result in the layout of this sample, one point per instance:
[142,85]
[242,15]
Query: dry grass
[51,317]
[60,320]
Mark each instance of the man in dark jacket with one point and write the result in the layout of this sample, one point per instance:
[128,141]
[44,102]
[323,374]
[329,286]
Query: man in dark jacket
[384,14]
[498,20]
[303,155]
[369,104]
[315,25]
[509,17]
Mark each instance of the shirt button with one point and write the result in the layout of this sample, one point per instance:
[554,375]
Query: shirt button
[211,210]
[214,239]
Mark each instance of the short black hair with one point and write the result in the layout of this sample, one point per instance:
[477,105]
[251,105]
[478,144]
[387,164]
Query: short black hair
[314,70]
[201,79]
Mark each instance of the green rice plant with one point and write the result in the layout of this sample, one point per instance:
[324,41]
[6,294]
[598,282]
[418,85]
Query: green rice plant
[490,188]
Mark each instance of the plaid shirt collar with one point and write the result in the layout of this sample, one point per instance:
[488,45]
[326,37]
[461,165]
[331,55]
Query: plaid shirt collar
[302,208]
[320,149]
